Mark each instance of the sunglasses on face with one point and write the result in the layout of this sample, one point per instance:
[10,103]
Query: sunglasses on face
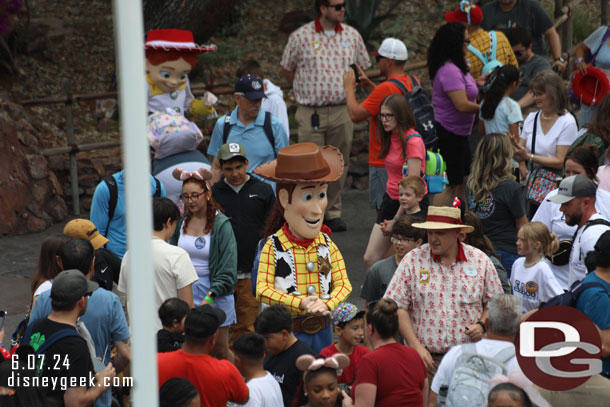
[337,7]
[466,41]
[519,54]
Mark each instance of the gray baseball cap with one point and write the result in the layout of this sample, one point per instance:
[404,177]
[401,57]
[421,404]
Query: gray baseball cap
[70,285]
[230,150]
[572,187]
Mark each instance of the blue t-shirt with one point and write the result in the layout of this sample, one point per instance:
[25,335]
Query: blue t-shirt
[253,138]
[593,42]
[104,320]
[595,303]
[117,229]
[507,112]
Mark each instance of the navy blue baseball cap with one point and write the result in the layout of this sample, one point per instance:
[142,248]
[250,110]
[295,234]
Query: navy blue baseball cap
[251,87]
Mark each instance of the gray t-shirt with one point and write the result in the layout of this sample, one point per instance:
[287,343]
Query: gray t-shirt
[378,278]
[528,14]
[498,212]
[527,72]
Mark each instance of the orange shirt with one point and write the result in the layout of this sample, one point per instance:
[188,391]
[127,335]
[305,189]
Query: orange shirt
[372,104]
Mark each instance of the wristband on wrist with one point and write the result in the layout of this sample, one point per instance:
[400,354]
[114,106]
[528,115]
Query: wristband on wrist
[578,60]
[482,324]
[208,299]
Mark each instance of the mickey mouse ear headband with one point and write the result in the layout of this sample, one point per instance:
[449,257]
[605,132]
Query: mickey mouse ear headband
[202,174]
[308,363]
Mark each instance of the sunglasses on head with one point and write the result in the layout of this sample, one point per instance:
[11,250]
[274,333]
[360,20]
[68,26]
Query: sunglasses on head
[337,7]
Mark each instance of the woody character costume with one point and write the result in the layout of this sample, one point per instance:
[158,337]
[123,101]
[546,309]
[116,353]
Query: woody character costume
[300,266]
[170,56]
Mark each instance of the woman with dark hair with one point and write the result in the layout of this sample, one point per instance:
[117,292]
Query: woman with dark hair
[495,196]
[393,374]
[48,267]
[554,126]
[178,392]
[454,100]
[580,161]
[400,145]
[207,236]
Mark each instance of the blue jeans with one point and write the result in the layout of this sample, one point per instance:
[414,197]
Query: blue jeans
[317,341]
[507,259]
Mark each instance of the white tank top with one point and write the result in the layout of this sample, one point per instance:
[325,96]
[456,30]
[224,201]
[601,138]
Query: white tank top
[198,248]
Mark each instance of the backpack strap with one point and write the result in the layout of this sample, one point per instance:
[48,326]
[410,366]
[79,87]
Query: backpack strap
[414,82]
[477,54]
[269,132]
[113,189]
[63,333]
[505,355]
[267,128]
[594,222]
[584,287]
[400,86]
[157,188]
[469,349]
[226,129]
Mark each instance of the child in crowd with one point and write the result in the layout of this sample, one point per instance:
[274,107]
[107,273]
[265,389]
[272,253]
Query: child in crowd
[532,279]
[283,348]
[249,355]
[172,314]
[411,191]
[499,113]
[348,323]
[178,392]
[404,238]
[320,383]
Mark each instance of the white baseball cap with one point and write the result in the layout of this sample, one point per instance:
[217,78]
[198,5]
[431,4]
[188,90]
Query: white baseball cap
[393,48]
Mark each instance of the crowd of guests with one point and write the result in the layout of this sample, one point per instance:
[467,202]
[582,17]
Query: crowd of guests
[248,321]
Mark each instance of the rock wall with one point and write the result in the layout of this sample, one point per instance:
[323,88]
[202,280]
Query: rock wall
[30,194]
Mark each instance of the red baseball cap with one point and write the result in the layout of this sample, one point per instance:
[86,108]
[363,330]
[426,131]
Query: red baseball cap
[591,87]
[458,16]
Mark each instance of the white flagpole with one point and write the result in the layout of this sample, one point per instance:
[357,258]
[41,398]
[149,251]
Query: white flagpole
[129,32]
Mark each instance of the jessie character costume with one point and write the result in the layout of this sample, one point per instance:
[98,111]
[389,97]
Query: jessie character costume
[170,56]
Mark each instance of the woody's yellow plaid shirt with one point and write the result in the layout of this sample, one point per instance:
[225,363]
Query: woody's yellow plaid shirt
[481,41]
[265,289]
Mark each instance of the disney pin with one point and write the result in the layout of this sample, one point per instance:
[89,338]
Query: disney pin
[200,242]
[424,276]
[471,272]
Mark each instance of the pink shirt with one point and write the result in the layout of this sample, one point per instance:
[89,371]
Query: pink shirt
[394,160]
[443,300]
[319,62]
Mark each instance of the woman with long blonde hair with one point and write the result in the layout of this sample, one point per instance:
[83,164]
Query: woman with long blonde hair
[495,196]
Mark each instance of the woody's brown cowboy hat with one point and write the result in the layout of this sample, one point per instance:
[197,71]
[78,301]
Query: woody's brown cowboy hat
[303,162]
[443,217]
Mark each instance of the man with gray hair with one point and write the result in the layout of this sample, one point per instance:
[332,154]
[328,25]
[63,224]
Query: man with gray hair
[502,324]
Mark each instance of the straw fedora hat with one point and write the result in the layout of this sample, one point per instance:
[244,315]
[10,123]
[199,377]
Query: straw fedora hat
[443,217]
[303,162]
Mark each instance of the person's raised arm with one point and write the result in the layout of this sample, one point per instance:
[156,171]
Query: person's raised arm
[357,112]
[555,45]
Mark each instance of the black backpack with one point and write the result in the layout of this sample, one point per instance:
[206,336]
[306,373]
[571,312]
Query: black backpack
[561,257]
[266,127]
[114,196]
[422,110]
[570,297]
